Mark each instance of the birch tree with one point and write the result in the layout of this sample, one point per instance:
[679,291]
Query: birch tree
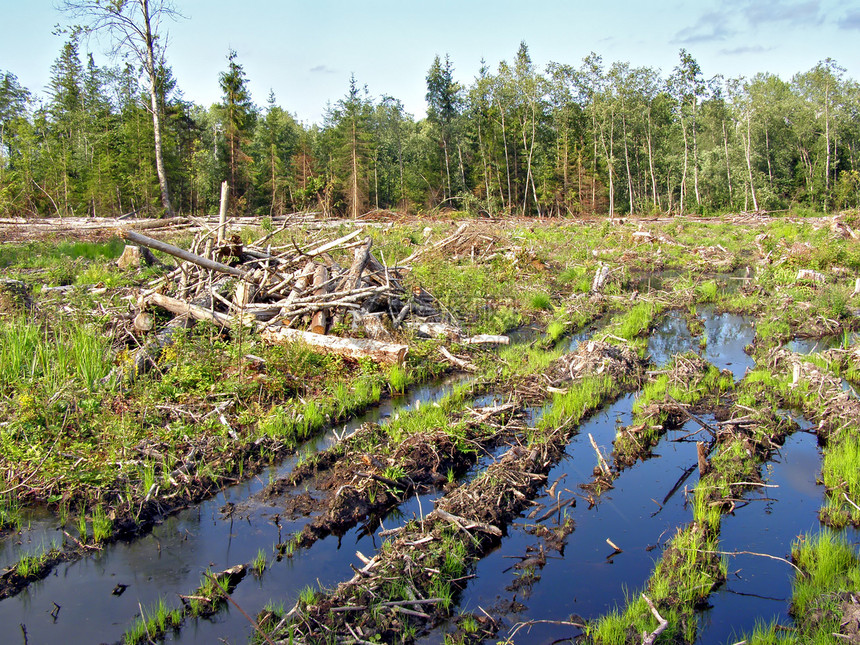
[133,28]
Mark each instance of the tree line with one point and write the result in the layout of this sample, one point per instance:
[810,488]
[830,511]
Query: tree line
[518,140]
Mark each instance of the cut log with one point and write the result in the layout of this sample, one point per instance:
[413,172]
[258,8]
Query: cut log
[359,263]
[373,326]
[180,308]
[146,357]
[389,353]
[435,330]
[330,245]
[702,457]
[143,321]
[130,258]
[182,254]
[486,339]
[160,223]
[600,278]
[809,274]
[458,362]
[320,319]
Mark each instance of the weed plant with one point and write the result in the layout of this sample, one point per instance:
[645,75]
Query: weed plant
[841,476]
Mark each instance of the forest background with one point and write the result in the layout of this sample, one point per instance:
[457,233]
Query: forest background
[589,137]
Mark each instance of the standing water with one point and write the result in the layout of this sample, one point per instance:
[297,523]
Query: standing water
[172,558]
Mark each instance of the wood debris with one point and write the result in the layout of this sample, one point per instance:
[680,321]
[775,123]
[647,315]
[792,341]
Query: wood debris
[292,293]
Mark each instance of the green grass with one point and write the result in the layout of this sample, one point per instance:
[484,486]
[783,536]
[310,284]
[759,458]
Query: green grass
[540,302]
[10,512]
[707,291]
[829,569]
[636,321]
[555,330]
[70,354]
[840,471]
[398,379]
[153,624]
[581,397]
[102,525]
[258,566]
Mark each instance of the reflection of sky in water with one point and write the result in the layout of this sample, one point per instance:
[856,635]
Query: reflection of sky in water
[758,589]
[671,337]
[727,335]
[815,345]
[172,558]
[584,580]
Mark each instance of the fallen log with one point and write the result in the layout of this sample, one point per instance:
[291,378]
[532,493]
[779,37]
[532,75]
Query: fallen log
[360,261]
[389,353]
[486,339]
[181,308]
[458,362]
[182,254]
[320,319]
[435,329]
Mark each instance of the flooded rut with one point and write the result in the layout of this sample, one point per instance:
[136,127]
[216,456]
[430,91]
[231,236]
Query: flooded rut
[171,559]
[583,579]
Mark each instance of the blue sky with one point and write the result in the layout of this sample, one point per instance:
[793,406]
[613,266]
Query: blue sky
[306,50]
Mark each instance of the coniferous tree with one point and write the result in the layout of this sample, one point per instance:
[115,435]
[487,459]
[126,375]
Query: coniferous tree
[276,138]
[347,145]
[443,108]
[237,120]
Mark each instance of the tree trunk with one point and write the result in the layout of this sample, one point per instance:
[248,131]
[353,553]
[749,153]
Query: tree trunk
[654,196]
[684,172]
[695,158]
[748,147]
[505,142]
[350,347]
[728,165]
[156,116]
[627,164]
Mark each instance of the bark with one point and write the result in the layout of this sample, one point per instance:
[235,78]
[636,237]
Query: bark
[627,164]
[222,211]
[684,173]
[156,113]
[728,165]
[748,150]
[182,308]
[320,320]
[182,254]
[359,264]
[388,353]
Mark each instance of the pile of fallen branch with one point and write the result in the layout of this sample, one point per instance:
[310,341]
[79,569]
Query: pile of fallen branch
[288,293]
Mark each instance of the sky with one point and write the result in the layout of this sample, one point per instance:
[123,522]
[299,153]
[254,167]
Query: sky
[305,51]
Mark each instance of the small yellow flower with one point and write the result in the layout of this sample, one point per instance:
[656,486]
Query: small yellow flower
[26,401]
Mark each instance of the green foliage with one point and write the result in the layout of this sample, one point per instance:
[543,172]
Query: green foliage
[555,330]
[500,146]
[636,321]
[398,379]
[258,566]
[102,525]
[540,302]
[707,291]
[828,566]
[841,475]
